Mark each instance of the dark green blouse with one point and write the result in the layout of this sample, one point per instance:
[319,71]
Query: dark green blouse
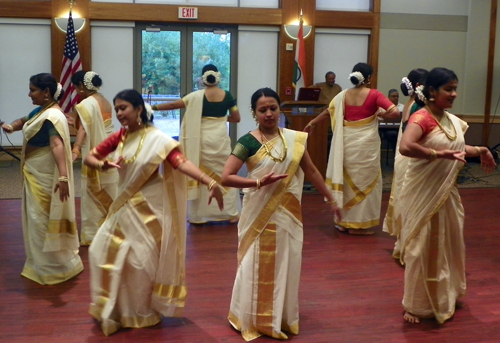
[42,137]
[218,109]
[246,147]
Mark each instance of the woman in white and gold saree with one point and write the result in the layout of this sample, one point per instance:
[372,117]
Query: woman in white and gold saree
[48,206]
[95,124]
[270,231]
[206,143]
[433,248]
[353,172]
[392,220]
[137,258]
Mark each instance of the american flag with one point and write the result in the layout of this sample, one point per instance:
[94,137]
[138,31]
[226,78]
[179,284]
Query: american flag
[71,64]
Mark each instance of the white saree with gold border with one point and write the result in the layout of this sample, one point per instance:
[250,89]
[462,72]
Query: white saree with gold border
[206,143]
[353,172]
[433,248]
[49,226]
[98,187]
[137,259]
[270,235]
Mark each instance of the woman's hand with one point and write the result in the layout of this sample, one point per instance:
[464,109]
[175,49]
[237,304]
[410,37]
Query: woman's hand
[452,155]
[108,164]
[337,211]
[488,163]
[74,156]
[216,192]
[7,128]
[63,190]
[271,178]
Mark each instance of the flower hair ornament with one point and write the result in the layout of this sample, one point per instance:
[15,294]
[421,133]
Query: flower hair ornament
[420,93]
[58,92]
[359,76]
[87,81]
[149,111]
[408,85]
[205,76]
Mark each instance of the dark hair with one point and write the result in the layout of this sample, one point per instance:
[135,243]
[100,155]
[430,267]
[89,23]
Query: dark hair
[135,98]
[436,78]
[78,77]
[44,81]
[329,73]
[365,69]
[211,79]
[259,93]
[393,90]
[415,76]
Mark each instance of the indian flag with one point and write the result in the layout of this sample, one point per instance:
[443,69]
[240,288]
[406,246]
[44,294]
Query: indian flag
[300,61]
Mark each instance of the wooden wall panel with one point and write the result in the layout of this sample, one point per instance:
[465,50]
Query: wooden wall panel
[25,9]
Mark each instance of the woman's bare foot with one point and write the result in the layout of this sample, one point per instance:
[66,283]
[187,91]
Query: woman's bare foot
[410,318]
[234,220]
[361,232]
[341,229]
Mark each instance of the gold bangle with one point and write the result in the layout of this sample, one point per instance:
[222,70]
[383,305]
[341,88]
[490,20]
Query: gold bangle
[332,202]
[257,183]
[200,179]
[76,144]
[99,165]
[155,107]
[479,153]
[211,184]
[433,155]
[63,179]
[76,151]
[311,125]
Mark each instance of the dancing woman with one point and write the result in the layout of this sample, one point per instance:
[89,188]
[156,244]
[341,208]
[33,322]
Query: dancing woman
[270,230]
[432,242]
[95,125]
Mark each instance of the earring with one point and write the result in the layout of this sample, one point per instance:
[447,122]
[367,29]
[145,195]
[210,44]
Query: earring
[46,99]
[139,120]
[254,116]
[432,99]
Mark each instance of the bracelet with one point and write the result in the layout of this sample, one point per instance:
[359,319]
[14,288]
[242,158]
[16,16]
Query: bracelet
[63,179]
[211,184]
[99,165]
[200,179]
[11,128]
[433,155]
[155,107]
[76,144]
[309,124]
[332,202]
[76,151]
[479,153]
[257,183]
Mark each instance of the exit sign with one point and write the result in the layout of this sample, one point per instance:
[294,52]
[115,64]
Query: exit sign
[188,12]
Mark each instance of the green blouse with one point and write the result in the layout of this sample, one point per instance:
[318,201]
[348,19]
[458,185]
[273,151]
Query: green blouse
[246,147]
[42,137]
[218,109]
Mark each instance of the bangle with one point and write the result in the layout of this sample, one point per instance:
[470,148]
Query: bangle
[433,155]
[11,128]
[200,179]
[155,107]
[332,202]
[76,144]
[76,151]
[257,183]
[99,165]
[211,184]
[63,179]
[479,152]
[311,125]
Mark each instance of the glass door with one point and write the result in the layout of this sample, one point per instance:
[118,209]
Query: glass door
[171,60]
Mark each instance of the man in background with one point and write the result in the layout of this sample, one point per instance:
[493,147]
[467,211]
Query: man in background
[328,88]
[393,95]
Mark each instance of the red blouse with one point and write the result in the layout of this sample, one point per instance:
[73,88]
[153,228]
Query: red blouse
[425,120]
[373,101]
[111,143]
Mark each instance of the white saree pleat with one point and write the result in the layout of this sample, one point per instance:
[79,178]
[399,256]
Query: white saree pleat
[265,293]
[433,248]
[137,259]
[49,227]
[98,187]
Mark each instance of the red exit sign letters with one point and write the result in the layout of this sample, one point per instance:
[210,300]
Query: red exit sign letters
[188,12]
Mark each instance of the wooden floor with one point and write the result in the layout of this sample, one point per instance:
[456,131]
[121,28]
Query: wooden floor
[350,289]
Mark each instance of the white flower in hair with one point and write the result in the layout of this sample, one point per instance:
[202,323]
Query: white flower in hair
[149,111]
[58,92]
[206,74]
[420,93]
[359,76]
[87,81]
[408,85]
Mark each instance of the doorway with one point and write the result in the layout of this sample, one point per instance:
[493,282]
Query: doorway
[169,63]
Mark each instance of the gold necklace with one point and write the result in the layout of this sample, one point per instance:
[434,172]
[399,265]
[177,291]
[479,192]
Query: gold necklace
[450,137]
[43,109]
[268,151]
[122,143]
